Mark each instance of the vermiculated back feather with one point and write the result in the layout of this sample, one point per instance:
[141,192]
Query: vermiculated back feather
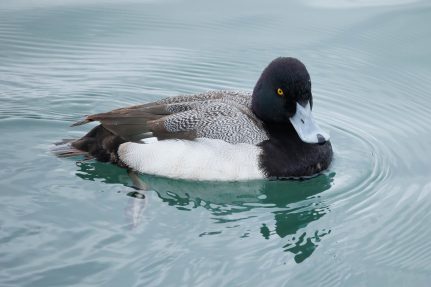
[223,115]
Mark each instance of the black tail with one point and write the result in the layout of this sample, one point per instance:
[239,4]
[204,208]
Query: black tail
[65,149]
[99,143]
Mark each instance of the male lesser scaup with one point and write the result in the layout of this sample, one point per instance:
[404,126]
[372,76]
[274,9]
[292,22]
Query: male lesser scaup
[218,135]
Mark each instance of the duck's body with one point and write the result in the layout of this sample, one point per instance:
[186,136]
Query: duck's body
[218,135]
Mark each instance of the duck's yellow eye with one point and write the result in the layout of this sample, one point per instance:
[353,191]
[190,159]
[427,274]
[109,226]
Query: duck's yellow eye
[280,92]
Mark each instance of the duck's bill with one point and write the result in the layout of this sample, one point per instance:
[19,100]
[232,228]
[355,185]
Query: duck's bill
[306,127]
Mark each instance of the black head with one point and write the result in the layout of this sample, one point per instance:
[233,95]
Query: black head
[284,83]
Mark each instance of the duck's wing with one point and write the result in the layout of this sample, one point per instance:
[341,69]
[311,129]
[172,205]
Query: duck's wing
[217,115]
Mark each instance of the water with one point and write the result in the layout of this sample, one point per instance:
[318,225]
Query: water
[365,222]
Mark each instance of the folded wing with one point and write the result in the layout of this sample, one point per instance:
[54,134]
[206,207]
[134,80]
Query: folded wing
[218,115]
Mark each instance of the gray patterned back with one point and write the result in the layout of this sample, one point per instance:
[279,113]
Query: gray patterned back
[224,115]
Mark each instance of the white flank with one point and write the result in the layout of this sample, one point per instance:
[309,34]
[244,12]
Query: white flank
[201,159]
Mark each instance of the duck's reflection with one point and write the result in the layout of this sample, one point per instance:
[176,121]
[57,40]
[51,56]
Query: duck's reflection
[294,204]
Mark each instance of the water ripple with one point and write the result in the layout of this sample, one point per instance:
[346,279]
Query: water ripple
[80,223]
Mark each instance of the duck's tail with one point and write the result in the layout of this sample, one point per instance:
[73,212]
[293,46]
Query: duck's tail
[64,148]
[99,143]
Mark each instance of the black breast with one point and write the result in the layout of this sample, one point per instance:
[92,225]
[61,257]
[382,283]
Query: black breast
[285,155]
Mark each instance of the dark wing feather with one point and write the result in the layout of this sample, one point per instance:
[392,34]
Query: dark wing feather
[130,123]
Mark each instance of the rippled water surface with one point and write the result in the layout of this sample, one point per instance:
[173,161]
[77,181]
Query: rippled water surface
[365,222]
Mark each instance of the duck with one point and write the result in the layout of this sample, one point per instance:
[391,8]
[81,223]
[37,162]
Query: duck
[221,135]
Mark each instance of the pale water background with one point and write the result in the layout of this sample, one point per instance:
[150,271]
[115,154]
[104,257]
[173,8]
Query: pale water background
[365,222]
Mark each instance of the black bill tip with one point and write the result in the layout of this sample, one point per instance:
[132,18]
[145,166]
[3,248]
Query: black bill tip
[320,139]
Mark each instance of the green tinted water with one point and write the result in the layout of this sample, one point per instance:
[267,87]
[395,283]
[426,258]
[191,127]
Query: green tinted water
[365,222]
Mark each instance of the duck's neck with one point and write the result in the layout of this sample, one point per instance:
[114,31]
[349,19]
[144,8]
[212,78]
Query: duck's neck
[282,131]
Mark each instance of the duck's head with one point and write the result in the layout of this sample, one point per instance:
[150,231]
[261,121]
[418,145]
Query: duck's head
[282,95]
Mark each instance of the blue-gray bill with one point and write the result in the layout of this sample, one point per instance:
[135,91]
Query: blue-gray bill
[306,127]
